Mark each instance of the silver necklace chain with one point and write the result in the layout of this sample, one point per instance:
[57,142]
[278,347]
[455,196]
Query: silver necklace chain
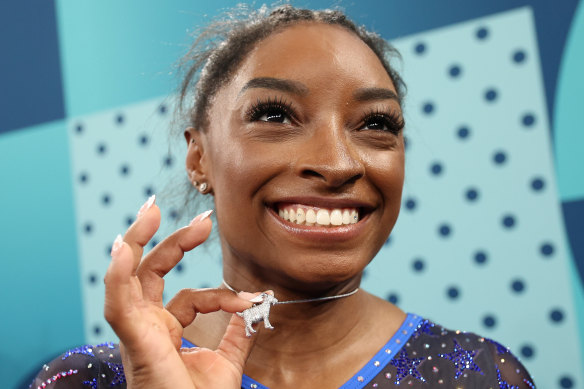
[338,296]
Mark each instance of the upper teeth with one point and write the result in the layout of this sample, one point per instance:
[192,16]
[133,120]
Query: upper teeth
[321,216]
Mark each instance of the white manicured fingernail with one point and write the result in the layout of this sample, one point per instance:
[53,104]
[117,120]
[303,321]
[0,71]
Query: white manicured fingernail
[201,217]
[117,246]
[146,206]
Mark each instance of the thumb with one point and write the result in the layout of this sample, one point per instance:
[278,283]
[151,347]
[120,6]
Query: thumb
[235,346]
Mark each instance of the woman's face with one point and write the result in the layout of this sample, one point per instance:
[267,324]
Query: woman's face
[309,126]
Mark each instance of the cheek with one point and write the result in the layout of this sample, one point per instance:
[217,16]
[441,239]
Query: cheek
[387,173]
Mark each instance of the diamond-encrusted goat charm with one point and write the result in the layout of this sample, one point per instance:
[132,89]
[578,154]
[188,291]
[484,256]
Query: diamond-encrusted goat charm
[257,313]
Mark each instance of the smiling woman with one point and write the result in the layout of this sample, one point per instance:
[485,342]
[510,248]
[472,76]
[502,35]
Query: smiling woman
[297,134]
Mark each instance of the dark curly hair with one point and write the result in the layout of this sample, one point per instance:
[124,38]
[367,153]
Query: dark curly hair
[223,45]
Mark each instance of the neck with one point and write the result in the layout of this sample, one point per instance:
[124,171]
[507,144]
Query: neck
[345,332]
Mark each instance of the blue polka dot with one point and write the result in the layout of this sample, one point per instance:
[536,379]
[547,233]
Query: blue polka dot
[445,230]
[566,382]
[418,264]
[393,298]
[173,214]
[83,178]
[162,109]
[472,194]
[106,199]
[491,95]
[556,315]
[129,220]
[92,279]
[143,140]
[387,241]
[537,184]
[499,157]
[428,108]
[364,274]
[519,56]
[508,221]
[148,191]
[108,250]
[88,228]
[482,33]
[453,292]
[120,119]
[454,71]
[420,48]
[518,286]
[153,243]
[124,170]
[168,161]
[489,321]
[527,351]
[97,330]
[547,249]
[528,120]
[79,128]
[179,267]
[480,257]
[407,142]
[463,132]
[411,204]
[436,168]
[101,148]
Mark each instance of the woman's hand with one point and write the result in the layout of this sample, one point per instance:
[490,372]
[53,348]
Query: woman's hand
[150,334]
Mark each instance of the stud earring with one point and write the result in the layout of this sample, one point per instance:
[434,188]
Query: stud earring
[203,187]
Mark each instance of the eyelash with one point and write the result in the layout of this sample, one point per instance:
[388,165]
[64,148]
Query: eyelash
[392,120]
[262,107]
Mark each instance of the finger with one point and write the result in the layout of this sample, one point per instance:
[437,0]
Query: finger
[119,289]
[143,229]
[188,302]
[162,258]
[235,346]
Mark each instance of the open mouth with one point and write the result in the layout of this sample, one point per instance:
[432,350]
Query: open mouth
[307,215]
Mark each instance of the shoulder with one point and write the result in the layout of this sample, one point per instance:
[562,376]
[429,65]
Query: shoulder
[83,367]
[458,356]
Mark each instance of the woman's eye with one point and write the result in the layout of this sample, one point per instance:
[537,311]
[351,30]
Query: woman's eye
[376,123]
[383,123]
[275,116]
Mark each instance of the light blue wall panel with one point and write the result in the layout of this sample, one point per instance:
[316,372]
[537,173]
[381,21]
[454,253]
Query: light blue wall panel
[39,281]
[117,52]
[569,126]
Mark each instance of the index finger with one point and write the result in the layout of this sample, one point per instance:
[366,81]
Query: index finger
[165,255]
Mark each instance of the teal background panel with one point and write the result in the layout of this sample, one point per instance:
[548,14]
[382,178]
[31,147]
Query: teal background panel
[568,124]
[39,281]
[114,53]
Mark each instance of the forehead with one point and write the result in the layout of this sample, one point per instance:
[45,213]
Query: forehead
[317,54]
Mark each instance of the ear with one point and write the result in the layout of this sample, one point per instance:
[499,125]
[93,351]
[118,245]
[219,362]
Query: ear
[196,161]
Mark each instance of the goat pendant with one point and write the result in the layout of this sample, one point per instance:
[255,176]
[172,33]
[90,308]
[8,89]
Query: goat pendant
[257,313]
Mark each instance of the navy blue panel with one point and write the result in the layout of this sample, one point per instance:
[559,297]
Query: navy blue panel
[574,220]
[397,18]
[30,69]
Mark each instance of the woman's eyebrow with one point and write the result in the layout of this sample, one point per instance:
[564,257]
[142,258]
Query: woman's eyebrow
[284,85]
[366,94]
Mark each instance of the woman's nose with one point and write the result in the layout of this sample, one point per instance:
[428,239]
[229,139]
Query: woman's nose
[329,156]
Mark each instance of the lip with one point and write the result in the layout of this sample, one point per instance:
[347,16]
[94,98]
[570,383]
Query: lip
[322,233]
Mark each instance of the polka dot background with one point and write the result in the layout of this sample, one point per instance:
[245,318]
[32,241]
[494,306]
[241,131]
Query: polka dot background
[479,244]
